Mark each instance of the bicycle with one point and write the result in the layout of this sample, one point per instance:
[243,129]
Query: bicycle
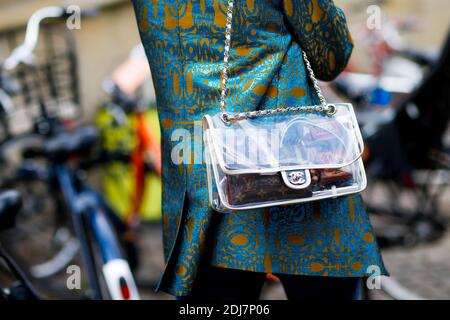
[123,122]
[20,287]
[94,225]
[406,155]
[46,85]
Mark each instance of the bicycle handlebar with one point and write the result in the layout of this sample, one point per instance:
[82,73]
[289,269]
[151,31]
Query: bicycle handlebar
[24,53]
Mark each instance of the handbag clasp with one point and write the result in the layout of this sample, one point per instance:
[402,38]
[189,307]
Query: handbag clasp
[297,179]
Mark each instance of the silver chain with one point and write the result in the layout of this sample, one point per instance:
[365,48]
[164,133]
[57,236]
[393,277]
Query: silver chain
[227,117]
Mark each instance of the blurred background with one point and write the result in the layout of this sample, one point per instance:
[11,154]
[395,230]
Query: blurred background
[79,133]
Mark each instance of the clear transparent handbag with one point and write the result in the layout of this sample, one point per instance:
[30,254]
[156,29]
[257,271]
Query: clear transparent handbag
[283,156]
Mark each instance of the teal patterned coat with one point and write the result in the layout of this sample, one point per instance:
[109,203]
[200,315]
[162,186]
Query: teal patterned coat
[184,44]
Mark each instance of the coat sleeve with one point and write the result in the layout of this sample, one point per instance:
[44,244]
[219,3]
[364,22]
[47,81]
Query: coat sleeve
[321,30]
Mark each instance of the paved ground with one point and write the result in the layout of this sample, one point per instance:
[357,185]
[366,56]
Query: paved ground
[424,269]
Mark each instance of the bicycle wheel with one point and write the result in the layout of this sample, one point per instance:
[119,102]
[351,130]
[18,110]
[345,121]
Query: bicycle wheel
[411,228]
[43,240]
[404,216]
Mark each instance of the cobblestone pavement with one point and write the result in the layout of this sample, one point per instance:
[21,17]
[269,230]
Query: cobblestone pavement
[424,269]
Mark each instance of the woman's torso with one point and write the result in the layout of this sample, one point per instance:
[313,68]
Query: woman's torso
[184,42]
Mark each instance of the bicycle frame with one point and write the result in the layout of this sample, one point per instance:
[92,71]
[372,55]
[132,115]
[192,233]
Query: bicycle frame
[28,291]
[86,207]
[21,288]
[147,143]
[122,87]
[91,215]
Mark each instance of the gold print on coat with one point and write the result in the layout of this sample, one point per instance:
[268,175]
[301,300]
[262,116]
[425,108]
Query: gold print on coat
[143,24]
[220,9]
[316,11]
[170,16]
[186,20]
[288,7]
[251,5]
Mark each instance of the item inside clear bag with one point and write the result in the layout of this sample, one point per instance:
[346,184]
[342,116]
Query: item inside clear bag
[254,190]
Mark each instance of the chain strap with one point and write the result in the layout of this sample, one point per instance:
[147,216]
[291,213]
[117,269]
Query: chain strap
[227,117]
